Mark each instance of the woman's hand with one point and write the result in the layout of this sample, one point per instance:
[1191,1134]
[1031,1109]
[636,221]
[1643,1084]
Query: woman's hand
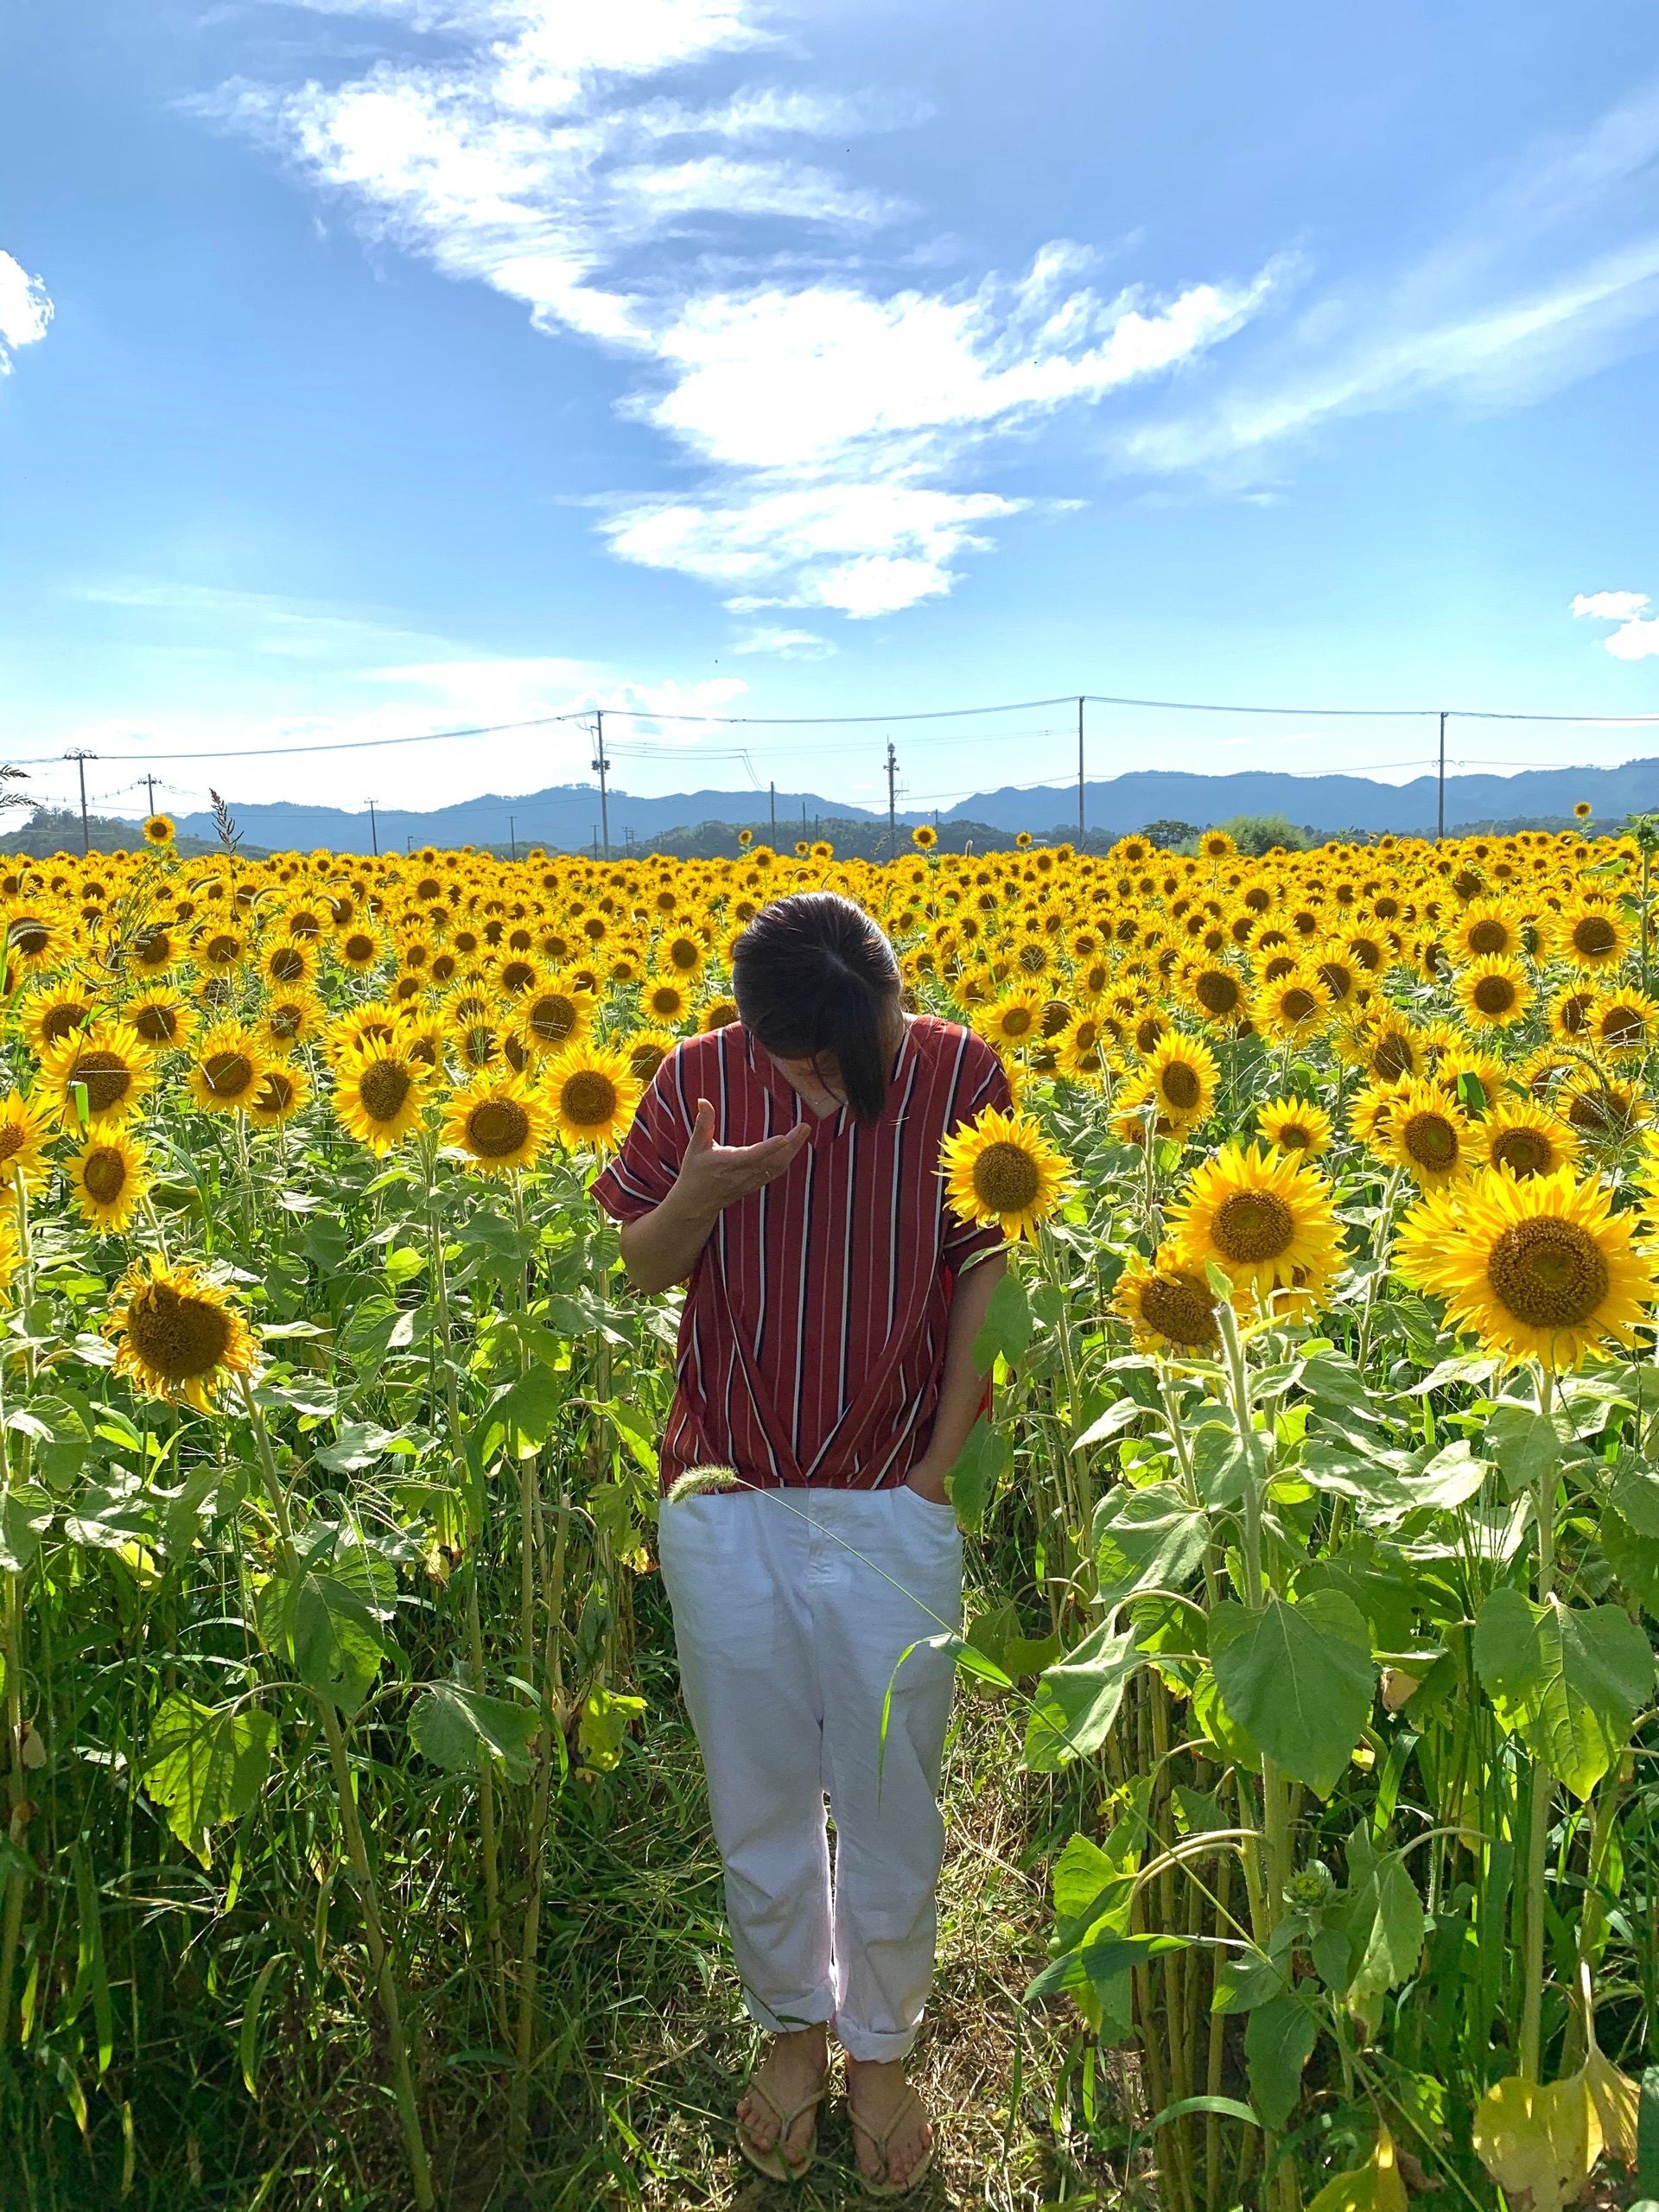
[662,1246]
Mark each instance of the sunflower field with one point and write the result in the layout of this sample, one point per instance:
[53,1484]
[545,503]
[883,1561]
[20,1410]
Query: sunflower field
[1306,1762]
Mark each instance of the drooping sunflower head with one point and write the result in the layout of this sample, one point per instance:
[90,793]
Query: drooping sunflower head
[1001,1172]
[178,1335]
[499,1121]
[1541,1268]
[379,1089]
[592,1095]
[1265,1218]
[1295,1125]
[103,1072]
[1168,1305]
[107,1178]
[1426,1133]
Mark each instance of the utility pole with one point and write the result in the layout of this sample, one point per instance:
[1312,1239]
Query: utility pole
[149,786]
[374,831]
[1080,831]
[892,819]
[80,761]
[513,836]
[601,769]
[1440,825]
[774,811]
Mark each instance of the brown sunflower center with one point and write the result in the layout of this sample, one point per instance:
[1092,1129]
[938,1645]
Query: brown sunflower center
[1623,1027]
[227,1075]
[175,1335]
[588,1098]
[1293,1136]
[1488,937]
[223,952]
[645,1059]
[277,1092]
[1494,994]
[1594,936]
[517,975]
[1548,1272]
[553,1016]
[685,954]
[1430,1140]
[1217,991]
[1251,1226]
[1007,1178]
[1574,1012]
[1181,1086]
[1298,1004]
[1179,1306]
[107,1078]
[67,1015]
[497,1128]
[1598,1112]
[11,1139]
[156,1025]
[1392,1058]
[383,1089]
[30,937]
[287,964]
[358,948]
[104,1175]
[1523,1152]
[1015,1021]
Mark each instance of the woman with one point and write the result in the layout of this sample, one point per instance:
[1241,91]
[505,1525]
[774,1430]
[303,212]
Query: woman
[787,1168]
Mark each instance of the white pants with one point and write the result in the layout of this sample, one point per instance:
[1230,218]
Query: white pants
[788,1630]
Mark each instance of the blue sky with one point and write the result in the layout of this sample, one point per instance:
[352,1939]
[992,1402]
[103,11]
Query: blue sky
[377,366]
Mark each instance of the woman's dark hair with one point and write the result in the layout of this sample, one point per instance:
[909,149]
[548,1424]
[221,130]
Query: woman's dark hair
[814,974]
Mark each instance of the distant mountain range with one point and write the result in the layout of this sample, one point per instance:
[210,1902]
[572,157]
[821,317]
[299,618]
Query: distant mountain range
[566,816]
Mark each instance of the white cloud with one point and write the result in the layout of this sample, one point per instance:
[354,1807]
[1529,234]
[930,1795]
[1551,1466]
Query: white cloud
[787,645]
[25,310]
[1610,606]
[1551,277]
[533,154]
[1634,638]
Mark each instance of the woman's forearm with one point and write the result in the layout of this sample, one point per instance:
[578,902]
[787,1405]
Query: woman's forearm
[663,1246]
[962,1386]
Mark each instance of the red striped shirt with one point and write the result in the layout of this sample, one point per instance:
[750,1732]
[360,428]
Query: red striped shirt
[813,1338]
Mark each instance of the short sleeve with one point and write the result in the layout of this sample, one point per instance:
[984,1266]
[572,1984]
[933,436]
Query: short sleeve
[644,1172]
[984,1084]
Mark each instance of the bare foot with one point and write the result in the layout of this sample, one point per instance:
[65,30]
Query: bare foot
[792,2068]
[875,2092]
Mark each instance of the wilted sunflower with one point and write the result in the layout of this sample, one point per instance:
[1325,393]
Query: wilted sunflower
[107,1178]
[1182,1075]
[1428,1134]
[1295,1125]
[1522,1140]
[1001,1172]
[1539,1269]
[1264,1217]
[379,1089]
[593,1096]
[106,1065]
[26,1125]
[1493,993]
[499,1121]
[178,1336]
[159,829]
[1168,1305]
[227,1067]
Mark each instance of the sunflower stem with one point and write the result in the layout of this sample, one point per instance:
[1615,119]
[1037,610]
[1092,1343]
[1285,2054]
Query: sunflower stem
[1543,1783]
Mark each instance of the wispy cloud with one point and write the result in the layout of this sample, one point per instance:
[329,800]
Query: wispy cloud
[787,645]
[1634,638]
[25,310]
[1553,274]
[838,421]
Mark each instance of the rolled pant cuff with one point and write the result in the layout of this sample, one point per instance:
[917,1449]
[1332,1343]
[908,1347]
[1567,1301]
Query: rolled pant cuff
[865,2044]
[816,2010]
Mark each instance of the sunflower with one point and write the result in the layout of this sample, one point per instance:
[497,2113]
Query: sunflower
[1428,1134]
[682,953]
[227,1067]
[380,1088]
[26,1126]
[1493,993]
[499,1121]
[1570,1014]
[1168,1305]
[924,837]
[1602,1107]
[1080,1047]
[1592,936]
[1485,931]
[718,1013]
[162,1018]
[1001,1172]
[664,999]
[1263,1217]
[358,948]
[594,1096]
[1523,1140]
[1388,1047]
[159,830]
[645,1050]
[1295,1125]
[54,1011]
[1622,1022]
[291,1017]
[1011,1021]
[106,1065]
[283,1091]
[107,1178]
[1294,1008]
[1182,1075]
[1539,1269]
[178,1336]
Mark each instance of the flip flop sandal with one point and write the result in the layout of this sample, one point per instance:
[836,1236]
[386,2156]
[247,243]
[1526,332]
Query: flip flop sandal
[881,2137]
[772,2161]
